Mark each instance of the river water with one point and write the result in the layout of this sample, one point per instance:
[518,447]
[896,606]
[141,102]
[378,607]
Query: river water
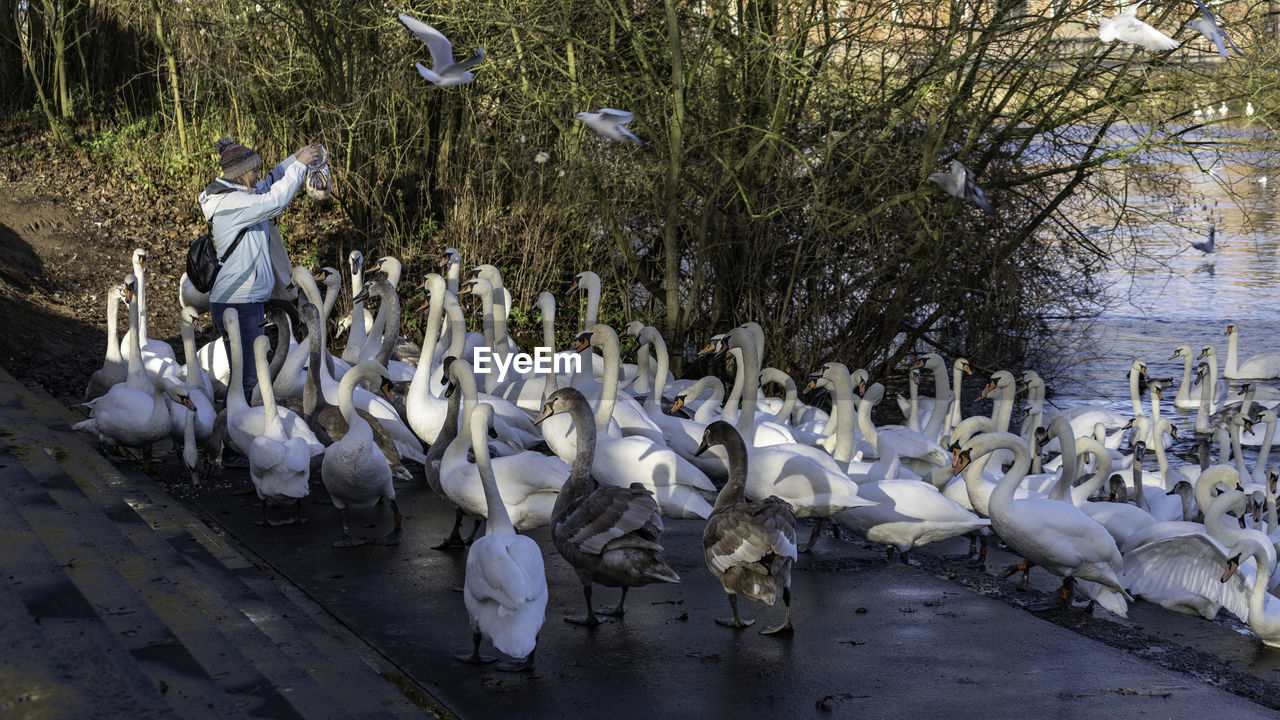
[1168,293]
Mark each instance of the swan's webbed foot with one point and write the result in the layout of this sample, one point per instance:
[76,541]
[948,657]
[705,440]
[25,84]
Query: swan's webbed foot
[735,622]
[615,610]
[1024,567]
[393,538]
[454,540]
[347,542]
[786,626]
[813,536]
[520,665]
[474,657]
[591,620]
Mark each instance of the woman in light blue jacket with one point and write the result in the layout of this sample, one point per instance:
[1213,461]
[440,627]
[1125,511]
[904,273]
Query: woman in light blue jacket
[241,204]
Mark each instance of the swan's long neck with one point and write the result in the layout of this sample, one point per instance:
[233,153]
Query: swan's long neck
[846,437]
[735,391]
[1002,408]
[579,482]
[421,382]
[913,402]
[141,300]
[487,323]
[189,352]
[750,371]
[460,372]
[603,337]
[868,428]
[1067,440]
[389,310]
[734,490]
[357,334]
[457,326]
[137,373]
[789,395]
[1184,390]
[311,390]
[1208,480]
[953,408]
[1134,398]
[663,362]
[709,409]
[113,328]
[272,425]
[1101,471]
[1260,621]
[497,520]
[593,298]
[346,395]
[941,399]
[1264,452]
[547,306]
[453,272]
[1002,496]
[236,400]
[1232,364]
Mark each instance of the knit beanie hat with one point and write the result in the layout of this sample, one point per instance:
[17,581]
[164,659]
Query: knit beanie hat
[235,158]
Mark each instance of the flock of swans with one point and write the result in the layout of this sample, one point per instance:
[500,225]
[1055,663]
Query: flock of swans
[603,454]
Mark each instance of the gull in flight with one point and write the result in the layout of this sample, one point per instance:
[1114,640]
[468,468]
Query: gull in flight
[611,124]
[1208,27]
[1126,27]
[959,183]
[444,72]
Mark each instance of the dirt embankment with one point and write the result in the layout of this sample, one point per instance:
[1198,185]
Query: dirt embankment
[67,232]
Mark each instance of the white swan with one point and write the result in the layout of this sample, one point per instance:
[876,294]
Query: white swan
[151,348]
[115,369]
[681,435]
[279,464]
[1264,615]
[505,589]
[245,423]
[918,453]
[676,483]
[199,390]
[354,471]
[1052,534]
[133,413]
[1264,366]
[528,480]
[1188,395]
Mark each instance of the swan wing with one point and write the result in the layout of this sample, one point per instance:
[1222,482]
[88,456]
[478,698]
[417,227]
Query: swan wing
[1185,565]
[607,514]
[500,569]
[1136,32]
[747,533]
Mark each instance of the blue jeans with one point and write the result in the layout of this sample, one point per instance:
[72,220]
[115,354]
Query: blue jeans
[250,319]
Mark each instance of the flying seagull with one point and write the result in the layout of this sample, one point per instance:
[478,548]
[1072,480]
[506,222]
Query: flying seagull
[959,183]
[611,124]
[444,72]
[1206,247]
[1208,27]
[1126,27]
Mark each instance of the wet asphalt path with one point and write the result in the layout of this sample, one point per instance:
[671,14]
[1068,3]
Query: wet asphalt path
[872,639]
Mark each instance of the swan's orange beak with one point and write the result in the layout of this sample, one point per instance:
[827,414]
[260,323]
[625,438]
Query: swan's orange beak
[917,364]
[466,288]
[967,369]
[810,386]
[186,403]
[862,387]
[572,286]
[581,344]
[676,405]
[444,260]
[960,462]
[987,390]
[1232,564]
[387,390]
[1175,354]
[708,349]
[1203,353]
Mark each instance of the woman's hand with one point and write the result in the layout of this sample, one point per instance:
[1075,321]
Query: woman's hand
[307,154]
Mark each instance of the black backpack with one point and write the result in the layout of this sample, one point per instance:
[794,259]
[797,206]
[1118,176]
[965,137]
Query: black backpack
[203,262]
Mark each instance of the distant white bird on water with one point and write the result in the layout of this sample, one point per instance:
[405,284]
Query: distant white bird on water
[1126,27]
[959,183]
[444,71]
[1208,27]
[1206,247]
[611,124]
